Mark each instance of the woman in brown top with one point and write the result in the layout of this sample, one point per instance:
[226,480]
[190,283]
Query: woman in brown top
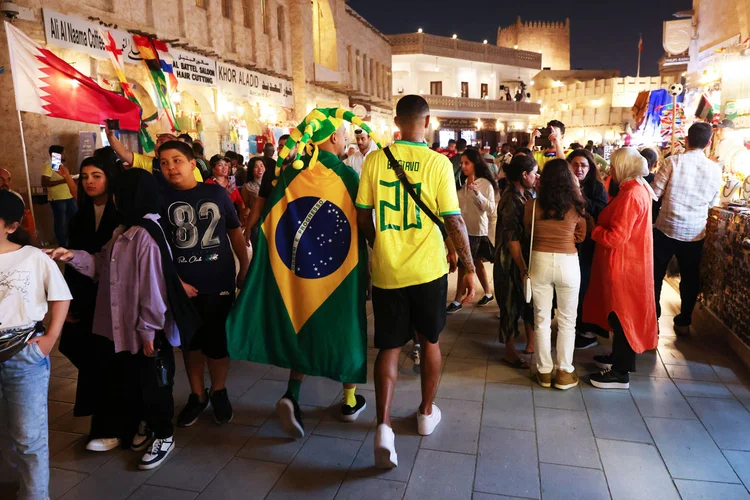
[560,222]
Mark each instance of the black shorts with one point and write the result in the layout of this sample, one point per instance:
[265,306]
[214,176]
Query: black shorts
[401,311]
[211,337]
[481,248]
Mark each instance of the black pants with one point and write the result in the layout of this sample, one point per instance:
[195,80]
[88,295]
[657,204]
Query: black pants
[688,254]
[623,356]
[155,401]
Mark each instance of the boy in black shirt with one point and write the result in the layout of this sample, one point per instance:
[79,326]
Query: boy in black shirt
[203,224]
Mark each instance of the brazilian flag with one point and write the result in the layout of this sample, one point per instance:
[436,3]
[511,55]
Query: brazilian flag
[303,302]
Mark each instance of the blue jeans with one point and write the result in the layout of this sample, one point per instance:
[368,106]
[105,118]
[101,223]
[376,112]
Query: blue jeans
[62,212]
[24,382]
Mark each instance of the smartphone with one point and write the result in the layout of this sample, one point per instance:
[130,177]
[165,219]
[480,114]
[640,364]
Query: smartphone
[543,141]
[56,161]
[113,124]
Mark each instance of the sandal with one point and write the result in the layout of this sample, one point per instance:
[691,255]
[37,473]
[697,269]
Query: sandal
[519,364]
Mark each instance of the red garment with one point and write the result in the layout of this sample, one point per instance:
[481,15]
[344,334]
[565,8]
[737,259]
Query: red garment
[622,274]
[234,195]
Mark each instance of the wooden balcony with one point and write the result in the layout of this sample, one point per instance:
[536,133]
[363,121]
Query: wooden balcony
[422,43]
[468,105]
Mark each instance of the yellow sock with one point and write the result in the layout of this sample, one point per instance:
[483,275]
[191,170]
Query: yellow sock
[349,398]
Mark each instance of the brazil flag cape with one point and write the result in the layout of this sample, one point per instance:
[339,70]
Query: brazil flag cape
[303,302]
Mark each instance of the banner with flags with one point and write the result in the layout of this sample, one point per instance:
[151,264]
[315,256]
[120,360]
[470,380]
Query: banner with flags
[47,85]
[151,59]
[115,55]
[166,62]
[706,111]
[311,266]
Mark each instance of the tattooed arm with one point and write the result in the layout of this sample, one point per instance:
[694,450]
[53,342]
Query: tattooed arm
[459,237]
[366,225]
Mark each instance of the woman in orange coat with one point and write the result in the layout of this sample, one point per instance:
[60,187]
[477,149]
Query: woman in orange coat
[622,274]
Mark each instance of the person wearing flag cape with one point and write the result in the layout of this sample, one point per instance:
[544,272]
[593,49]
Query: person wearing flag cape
[303,306]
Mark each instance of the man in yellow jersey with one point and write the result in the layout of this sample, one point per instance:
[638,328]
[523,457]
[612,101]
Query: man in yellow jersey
[148,163]
[555,150]
[409,267]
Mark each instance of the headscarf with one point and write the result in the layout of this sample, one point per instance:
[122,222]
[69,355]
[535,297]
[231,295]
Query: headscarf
[136,195]
[630,164]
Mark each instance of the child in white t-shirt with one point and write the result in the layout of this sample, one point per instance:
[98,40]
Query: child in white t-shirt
[29,281]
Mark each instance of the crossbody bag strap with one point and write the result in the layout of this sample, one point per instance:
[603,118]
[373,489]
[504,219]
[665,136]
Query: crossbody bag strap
[396,166]
[531,242]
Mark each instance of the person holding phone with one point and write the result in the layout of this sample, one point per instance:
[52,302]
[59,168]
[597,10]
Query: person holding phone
[57,180]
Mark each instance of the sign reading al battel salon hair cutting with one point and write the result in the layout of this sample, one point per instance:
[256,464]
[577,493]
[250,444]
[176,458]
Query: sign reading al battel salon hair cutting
[242,82]
[70,32]
[193,68]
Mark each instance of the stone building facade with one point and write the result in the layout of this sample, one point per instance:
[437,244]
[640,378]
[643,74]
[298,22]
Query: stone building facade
[551,39]
[321,49]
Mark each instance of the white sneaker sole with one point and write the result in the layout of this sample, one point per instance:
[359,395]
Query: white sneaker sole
[453,312]
[385,458]
[593,344]
[353,416]
[156,464]
[566,386]
[197,417]
[92,446]
[285,410]
[611,385]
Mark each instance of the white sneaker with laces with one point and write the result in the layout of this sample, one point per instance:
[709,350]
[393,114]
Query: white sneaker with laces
[103,444]
[385,448]
[157,454]
[426,423]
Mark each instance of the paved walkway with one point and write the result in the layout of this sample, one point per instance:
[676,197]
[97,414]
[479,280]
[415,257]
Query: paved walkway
[682,430]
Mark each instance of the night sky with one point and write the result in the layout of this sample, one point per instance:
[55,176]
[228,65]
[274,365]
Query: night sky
[604,35]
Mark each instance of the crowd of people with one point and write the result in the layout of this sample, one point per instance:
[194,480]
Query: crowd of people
[155,248]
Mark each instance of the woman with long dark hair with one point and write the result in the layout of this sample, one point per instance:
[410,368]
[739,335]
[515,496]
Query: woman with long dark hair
[583,165]
[559,219]
[256,168]
[477,201]
[93,355]
[511,256]
[154,314]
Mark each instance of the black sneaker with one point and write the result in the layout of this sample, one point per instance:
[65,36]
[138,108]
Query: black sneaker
[609,379]
[453,308]
[603,361]
[157,454]
[350,413]
[485,300]
[585,342]
[193,409]
[222,407]
[142,437]
[291,417]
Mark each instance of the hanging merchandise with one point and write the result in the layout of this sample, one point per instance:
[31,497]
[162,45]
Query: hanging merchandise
[150,58]
[115,56]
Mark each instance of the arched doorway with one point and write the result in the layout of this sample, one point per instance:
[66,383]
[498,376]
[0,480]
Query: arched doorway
[324,35]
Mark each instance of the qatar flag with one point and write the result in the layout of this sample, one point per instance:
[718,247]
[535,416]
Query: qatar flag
[47,85]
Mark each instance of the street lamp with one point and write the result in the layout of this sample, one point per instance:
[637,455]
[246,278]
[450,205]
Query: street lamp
[419,30]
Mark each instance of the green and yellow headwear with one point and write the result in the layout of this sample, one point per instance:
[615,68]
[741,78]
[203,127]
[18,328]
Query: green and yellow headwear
[317,127]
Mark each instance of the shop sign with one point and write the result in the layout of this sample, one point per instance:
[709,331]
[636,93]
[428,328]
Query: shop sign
[69,32]
[458,123]
[676,61]
[244,83]
[677,36]
[193,68]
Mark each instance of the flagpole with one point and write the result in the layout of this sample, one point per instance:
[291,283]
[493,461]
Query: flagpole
[640,49]
[26,163]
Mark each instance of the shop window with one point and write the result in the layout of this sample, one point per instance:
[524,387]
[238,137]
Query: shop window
[247,13]
[464,89]
[203,4]
[436,88]
[264,16]
[485,90]
[226,8]
[280,21]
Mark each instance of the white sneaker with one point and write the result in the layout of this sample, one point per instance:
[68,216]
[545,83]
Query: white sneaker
[385,448]
[157,454]
[426,423]
[103,444]
[141,438]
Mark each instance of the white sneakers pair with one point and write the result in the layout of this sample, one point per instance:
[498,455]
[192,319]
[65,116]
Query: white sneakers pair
[385,446]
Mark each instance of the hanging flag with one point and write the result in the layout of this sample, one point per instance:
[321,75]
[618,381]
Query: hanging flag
[640,44]
[165,60]
[150,58]
[115,55]
[45,84]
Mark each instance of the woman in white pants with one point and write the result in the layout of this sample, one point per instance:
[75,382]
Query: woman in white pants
[560,221]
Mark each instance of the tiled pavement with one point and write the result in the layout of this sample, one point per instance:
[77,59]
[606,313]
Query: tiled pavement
[681,431]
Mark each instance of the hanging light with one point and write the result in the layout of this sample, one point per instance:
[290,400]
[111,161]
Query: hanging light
[419,30]
[455,36]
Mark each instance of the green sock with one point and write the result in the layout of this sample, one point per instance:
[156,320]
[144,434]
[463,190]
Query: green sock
[292,390]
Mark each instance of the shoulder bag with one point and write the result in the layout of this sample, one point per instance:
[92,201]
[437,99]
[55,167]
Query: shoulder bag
[527,282]
[396,166]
